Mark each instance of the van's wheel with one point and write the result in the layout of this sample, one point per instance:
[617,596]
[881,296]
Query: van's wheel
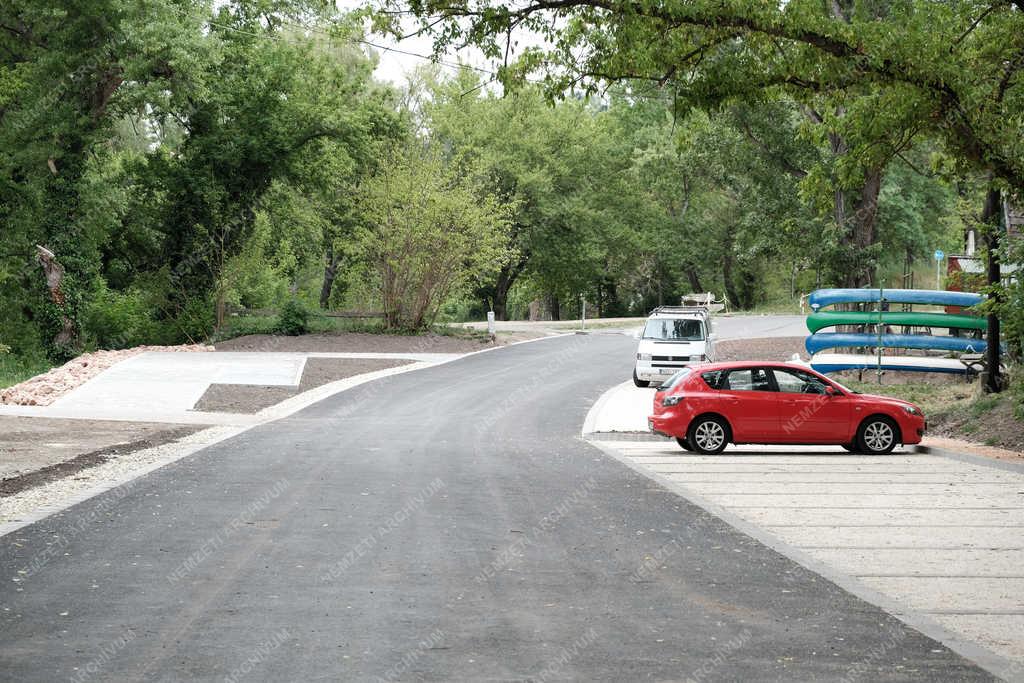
[684,444]
[877,435]
[708,434]
[640,382]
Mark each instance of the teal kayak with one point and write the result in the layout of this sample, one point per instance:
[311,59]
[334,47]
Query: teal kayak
[823,319]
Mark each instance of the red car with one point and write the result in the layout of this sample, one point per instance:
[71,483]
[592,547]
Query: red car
[707,407]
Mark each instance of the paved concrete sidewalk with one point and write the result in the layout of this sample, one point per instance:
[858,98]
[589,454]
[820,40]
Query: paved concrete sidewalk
[941,540]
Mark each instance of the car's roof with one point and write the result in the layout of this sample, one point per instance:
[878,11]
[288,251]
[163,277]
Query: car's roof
[728,365]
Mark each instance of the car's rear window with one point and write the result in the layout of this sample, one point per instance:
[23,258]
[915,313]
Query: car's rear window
[713,378]
[675,379]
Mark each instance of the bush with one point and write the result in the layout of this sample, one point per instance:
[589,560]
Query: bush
[293,319]
[118,320]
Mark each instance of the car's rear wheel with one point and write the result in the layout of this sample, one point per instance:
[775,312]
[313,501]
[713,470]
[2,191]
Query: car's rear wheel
[708,434]
[850,447]
[684,444]
[640,382]
[877,435]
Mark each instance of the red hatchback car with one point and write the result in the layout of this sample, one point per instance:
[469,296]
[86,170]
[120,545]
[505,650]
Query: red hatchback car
[710,406]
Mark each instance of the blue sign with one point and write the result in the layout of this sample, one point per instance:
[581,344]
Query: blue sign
[939,255]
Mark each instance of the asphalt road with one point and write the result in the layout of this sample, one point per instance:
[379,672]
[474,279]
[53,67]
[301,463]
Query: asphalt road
[445,524]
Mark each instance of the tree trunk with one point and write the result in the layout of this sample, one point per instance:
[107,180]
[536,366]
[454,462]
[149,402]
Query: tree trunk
[555,305]
[990,216]
[858,229]
[695,284]
[506,277]
[54,273]
[730,289]
[331,263]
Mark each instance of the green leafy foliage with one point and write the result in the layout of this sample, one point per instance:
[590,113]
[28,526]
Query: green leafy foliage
[293,319]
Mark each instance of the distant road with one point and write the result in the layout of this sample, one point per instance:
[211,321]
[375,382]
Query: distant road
[728,326]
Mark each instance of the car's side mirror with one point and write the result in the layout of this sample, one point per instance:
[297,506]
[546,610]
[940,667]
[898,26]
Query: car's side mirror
[832,392]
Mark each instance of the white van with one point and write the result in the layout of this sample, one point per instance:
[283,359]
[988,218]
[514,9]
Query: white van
[673,337]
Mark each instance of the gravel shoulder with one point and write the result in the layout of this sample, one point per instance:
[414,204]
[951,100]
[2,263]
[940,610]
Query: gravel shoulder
[249,398]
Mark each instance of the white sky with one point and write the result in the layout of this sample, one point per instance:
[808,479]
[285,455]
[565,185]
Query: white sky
[395,67]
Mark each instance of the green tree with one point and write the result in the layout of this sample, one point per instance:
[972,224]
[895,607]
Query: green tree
[431,231]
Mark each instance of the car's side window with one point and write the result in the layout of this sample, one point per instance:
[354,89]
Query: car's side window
[796,382]
[714,379]
[747,379]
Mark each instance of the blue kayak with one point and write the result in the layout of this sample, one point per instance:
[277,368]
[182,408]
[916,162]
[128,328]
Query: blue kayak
[836,340]
[931,297]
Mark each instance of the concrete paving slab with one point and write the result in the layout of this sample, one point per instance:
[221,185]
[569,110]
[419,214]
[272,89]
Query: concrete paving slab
[743,476]
[954,594]
[915,562]
[923,536]
[843,489]
[898,502]
[998,632]
[845,516]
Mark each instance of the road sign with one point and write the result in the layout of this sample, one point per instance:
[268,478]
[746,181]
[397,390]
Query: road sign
[939,255]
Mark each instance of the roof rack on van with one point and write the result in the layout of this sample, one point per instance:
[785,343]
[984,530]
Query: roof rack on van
[670,310]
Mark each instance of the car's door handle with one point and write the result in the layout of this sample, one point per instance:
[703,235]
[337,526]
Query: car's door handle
[789,402]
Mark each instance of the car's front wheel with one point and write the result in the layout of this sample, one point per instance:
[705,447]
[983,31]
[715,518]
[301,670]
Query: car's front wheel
[640,382]
[708,434]
[684,444]
[877,435]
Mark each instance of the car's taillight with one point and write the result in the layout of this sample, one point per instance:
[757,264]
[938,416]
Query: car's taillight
[672,400]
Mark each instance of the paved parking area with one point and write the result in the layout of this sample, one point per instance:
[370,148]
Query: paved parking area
[939,538]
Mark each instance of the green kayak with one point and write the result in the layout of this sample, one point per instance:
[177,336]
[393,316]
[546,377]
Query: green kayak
[823,319]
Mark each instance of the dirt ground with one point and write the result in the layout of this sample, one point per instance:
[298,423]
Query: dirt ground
[248,398]
[996,426]
[359,342]
[774,348]
[36,450]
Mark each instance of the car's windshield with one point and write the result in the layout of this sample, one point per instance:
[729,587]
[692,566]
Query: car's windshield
[667,329]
